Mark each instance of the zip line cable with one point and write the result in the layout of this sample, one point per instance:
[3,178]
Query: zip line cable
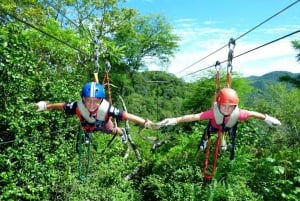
[246,52]
[95,40]
[15,140]
[244,34]
[72,47]
[202,59]
[268,19]
[44,32]
[47,34]
[32,137]
[65,16]
[273,41]
[62,14]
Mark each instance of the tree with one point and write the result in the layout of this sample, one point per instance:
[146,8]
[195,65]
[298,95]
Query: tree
[206,85]
[147,39]
[296,45]
[292,80]
[127,40]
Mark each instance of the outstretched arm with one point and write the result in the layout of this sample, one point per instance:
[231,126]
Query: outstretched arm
[271,121]
[182,119]
[141,121]
[135,119]
[44,105]
[257,115]
[187,118]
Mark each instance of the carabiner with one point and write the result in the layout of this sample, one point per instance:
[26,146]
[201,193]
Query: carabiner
[107,66]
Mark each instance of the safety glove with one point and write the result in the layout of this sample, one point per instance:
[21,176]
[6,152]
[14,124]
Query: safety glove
[41,106]
[272,121]
[151,125]
[168,122]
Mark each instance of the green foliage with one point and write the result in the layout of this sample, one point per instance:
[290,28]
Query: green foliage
[38,158]
[296,45]
[146,38]
[195,100]
[293,80]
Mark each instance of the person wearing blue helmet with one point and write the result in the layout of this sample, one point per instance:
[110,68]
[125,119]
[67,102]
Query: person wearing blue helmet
[95,112]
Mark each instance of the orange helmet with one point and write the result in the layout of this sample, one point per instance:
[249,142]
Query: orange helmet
[227,96]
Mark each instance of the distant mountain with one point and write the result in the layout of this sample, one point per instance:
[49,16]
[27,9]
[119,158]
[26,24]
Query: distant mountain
[261,82]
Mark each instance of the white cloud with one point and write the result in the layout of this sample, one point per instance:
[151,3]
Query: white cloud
[199,42]
[279,56]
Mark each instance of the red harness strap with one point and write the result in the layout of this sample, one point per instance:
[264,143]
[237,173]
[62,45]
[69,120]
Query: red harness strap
[105,81]
[210,175]
[206,175]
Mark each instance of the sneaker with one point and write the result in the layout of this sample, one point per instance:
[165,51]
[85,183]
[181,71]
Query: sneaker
[124,137]
[223,146]
[87,138]
[203,144]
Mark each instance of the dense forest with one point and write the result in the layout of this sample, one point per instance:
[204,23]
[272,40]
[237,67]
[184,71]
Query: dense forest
[44,55]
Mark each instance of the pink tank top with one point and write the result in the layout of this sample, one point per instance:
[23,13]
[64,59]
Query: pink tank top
[209,115]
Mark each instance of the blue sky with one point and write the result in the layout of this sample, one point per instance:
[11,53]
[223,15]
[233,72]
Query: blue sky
[205,26]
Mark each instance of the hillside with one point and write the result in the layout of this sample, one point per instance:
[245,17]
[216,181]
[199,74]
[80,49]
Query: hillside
[260,82]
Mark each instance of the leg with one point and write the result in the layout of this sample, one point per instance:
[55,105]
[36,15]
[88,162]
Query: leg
[110,129]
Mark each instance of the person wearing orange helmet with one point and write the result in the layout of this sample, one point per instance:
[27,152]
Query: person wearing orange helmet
[223,116]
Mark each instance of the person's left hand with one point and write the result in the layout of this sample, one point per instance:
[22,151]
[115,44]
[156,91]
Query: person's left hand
[272,121]
[168,122]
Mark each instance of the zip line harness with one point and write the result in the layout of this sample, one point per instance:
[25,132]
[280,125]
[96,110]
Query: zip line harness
[208,173]
[84,139]
[84,146]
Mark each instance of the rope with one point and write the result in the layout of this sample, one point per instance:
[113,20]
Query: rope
[84,154]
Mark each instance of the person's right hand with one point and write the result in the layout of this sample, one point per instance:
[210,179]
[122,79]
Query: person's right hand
[41,106]
[168,122]
[151,125]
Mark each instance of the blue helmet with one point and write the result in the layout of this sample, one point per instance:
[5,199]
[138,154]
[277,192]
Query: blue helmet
[93,89]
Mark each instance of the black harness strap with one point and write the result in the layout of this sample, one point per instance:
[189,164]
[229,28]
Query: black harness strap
[231,132]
